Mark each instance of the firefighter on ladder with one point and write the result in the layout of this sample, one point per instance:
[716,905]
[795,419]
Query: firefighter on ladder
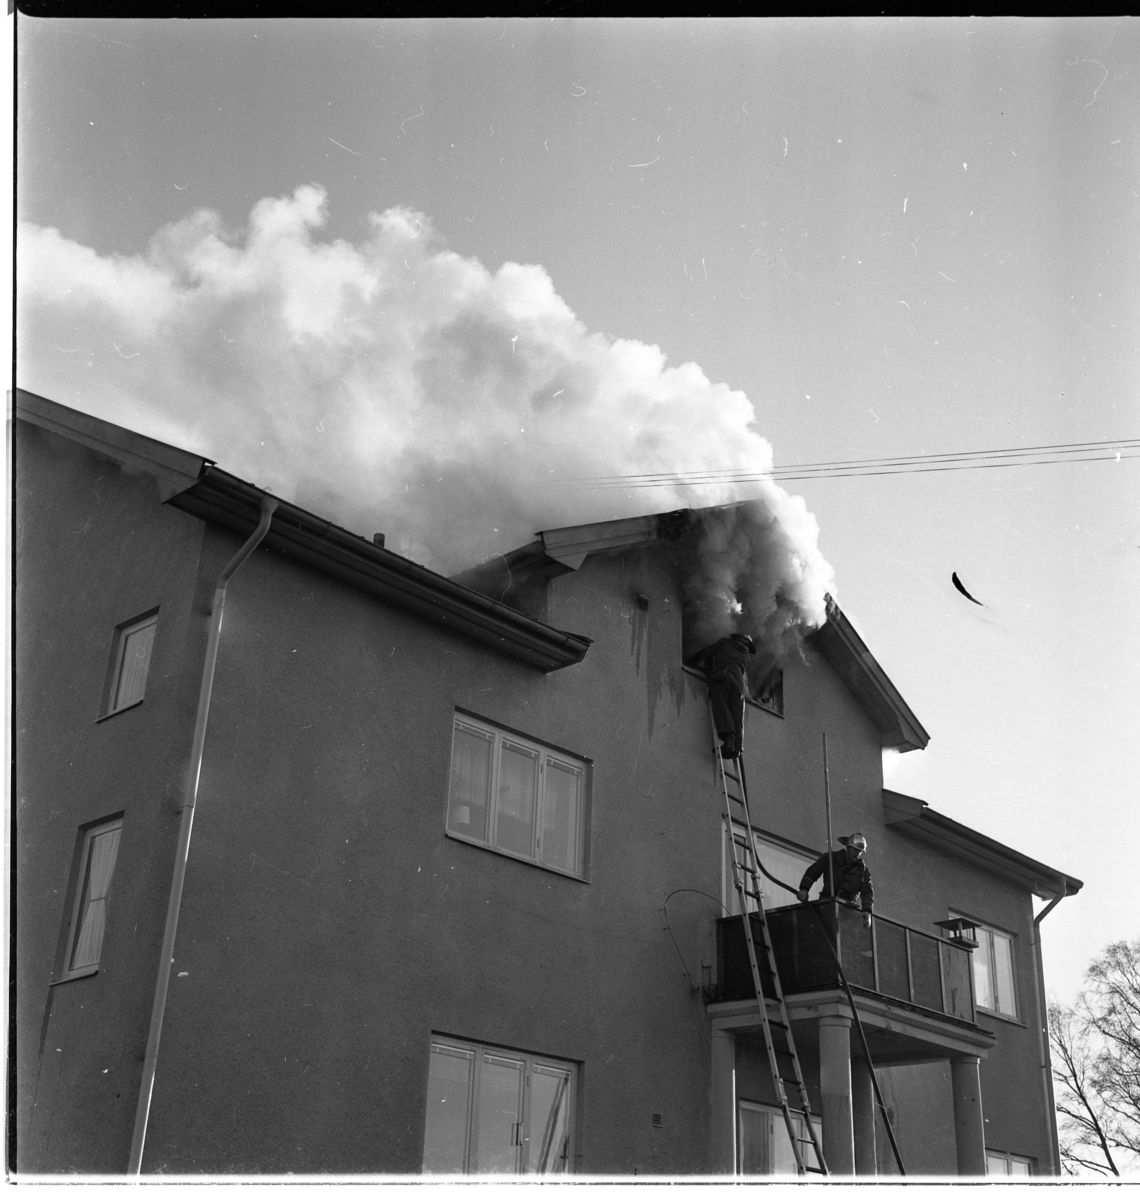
[725,663]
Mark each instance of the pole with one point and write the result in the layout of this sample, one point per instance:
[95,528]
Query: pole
[827,800]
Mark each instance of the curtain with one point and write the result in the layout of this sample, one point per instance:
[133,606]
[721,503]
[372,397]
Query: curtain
[103,848]
[135,665]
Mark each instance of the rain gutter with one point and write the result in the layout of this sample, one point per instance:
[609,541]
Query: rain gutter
[1043,1027]
[227,500]
[267,506]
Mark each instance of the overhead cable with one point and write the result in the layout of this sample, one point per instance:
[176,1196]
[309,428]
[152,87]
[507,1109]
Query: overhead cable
[1023,456]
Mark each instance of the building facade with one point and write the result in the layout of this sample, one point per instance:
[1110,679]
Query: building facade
[456,874]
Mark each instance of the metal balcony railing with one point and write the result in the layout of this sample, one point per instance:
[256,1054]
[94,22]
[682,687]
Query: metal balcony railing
[890,959]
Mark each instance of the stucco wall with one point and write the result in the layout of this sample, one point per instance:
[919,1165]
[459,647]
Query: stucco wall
[94,549]
[325,898]
[329,925]
[930,885]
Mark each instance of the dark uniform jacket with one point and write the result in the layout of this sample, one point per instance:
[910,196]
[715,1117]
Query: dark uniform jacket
[852,879]
[725,662]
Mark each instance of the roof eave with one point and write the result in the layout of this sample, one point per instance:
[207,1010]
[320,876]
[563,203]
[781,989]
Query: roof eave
[193,484]
[231,502]
[175,469]
[917,819]
[848,654]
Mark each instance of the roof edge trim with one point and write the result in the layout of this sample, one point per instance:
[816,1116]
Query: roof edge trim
[842,646]
[232,502]
[196,486]
[175,469]
[908,815]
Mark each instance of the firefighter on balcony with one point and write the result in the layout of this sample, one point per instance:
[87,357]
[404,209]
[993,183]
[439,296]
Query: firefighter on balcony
[851,875]
[725,663]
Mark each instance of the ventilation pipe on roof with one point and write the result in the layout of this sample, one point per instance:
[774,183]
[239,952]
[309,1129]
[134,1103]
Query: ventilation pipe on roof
[1043,1026]
[190,798]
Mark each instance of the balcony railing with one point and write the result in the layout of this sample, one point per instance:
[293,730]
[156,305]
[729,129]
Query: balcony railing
[889,959]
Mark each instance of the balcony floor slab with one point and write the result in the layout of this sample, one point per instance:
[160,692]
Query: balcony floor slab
[896,1034]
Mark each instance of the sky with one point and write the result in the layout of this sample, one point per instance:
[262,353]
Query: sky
[478,258]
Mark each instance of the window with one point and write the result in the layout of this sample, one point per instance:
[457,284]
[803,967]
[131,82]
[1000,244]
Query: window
[83,947]
[764,1147]
[516,796]
[130,663]
[1000,1163]
[768,691]
[496,1112]
[993,970]
[786,864]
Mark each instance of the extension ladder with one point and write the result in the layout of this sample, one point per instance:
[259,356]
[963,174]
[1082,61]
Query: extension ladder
[783,1061]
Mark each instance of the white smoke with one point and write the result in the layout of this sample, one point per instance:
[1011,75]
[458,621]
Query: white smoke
[391,386]
[756,569]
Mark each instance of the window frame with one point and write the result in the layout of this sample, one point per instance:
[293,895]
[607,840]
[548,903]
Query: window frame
[728,890]
[775,705]
[545,754]
[77,892]
[108,707]
[776,1116]
[994,932]
[531,1063]
[1009,1159]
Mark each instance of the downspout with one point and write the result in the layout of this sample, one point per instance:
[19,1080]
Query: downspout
[1043,1027]
[189,800]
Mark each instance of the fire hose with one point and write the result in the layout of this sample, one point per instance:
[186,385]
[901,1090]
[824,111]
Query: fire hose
[855,1015]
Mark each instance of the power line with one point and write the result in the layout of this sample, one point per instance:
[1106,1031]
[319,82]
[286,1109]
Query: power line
[1114,450]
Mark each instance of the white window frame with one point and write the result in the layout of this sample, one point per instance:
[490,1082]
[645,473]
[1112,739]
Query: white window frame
[987,946]
[81,901]
[780,1129]
[774,897]
[522,1132]
[1007,1160]
[111,706]
[546,757]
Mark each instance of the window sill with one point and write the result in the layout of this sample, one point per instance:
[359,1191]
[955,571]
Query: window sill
[999,1016]
[125,708]
[86,973]
[747,699]
[530,862]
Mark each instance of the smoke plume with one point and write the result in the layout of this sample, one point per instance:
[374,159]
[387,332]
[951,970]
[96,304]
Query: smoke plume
[396,386]
[756,570]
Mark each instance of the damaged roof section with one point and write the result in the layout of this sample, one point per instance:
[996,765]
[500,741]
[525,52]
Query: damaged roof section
[196,486]
[520,577]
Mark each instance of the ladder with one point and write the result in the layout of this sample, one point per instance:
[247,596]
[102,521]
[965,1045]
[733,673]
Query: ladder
[783,1061]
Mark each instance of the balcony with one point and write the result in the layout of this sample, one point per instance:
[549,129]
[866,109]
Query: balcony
[889,962]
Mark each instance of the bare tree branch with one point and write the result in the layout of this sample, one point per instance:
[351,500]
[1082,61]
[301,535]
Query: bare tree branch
[1096,1047]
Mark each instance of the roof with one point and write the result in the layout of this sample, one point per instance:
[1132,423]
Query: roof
[560,550]
[837,640]
[917,819]
[197,486]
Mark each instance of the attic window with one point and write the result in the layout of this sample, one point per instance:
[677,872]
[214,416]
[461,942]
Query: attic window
[768,692]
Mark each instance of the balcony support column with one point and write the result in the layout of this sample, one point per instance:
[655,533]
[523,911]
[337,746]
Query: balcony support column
[723,1102]
[969,1129]
[835,1090]
[863,1117]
